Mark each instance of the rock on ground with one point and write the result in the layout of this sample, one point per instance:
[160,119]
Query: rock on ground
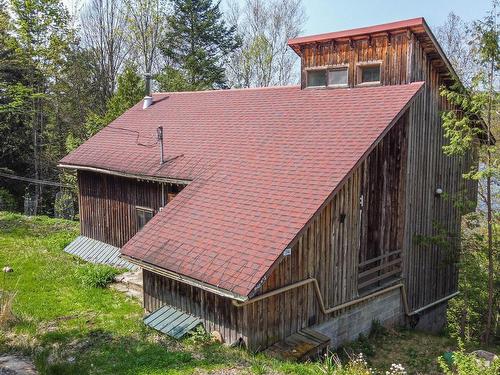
[12,365]
[129,283]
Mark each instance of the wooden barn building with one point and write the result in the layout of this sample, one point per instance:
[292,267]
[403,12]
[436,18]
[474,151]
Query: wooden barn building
[271,212]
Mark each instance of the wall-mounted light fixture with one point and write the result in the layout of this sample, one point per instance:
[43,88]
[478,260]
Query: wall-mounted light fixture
[439,191]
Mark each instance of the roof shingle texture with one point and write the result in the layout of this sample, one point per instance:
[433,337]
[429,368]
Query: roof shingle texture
[261,163]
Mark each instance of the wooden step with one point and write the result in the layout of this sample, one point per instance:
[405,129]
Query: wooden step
[301,346]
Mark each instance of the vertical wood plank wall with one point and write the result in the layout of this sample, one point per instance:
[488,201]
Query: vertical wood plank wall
[391,51]
[430,271]
[107,205]
[217,313]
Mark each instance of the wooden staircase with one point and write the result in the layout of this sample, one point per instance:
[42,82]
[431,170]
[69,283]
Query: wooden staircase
[301,346]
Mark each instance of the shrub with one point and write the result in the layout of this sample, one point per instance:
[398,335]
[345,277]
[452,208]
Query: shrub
[7,200]
[96,275]
[356,365]
[469,364]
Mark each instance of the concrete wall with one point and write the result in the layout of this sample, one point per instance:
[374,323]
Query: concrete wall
[431,320]
[387,309]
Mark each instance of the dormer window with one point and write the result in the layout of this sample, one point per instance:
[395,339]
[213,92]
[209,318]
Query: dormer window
[331,77]
[369,73]
[316,78]
[337,77]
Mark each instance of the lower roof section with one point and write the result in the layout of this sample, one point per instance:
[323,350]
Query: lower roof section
[171,321]
[95,251]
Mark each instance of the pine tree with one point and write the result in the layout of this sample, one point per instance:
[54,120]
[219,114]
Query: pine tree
[199,42]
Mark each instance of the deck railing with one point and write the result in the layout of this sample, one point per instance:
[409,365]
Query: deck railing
[375,271]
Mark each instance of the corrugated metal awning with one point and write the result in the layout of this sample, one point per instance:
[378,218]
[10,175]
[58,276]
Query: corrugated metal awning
[171,321]
[98,252]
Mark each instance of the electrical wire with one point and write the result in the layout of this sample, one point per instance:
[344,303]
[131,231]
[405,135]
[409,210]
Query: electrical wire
[33,180]
[137,134]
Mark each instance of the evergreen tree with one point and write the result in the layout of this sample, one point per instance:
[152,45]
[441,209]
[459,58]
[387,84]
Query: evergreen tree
[198,43]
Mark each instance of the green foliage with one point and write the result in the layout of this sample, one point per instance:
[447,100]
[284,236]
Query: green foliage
[469,364]
[96,275]
[7,200]
[198,42]
[466,312]
[172,80]
[130,91]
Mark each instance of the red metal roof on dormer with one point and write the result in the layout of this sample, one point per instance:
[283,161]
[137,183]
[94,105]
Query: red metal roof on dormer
[353,33]
[418,26]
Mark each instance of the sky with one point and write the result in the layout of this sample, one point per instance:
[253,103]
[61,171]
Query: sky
[332,15]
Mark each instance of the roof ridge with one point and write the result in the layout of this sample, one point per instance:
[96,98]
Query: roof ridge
[230,90]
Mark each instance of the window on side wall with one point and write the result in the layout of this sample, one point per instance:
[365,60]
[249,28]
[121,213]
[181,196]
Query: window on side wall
[369,74]
[337,77]
[143,215]
[316,78]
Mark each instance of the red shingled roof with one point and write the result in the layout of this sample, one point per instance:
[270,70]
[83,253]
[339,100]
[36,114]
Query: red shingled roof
[261,161]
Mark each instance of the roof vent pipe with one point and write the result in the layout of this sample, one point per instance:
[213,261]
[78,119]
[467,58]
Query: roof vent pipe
[148,98]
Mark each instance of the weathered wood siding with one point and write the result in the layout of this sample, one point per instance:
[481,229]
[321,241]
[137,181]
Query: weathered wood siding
[217,313]
[107,205]
[391,51]
[430,271]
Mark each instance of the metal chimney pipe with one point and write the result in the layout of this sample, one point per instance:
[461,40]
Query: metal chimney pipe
[148,98]
[160,140]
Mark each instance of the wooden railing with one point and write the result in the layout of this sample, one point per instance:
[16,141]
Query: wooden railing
[376,271]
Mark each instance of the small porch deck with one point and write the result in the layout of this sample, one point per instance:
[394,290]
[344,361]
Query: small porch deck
[301,346]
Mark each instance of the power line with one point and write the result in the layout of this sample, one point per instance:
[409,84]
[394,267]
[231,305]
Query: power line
[34,181]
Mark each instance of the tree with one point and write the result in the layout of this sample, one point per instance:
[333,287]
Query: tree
[147,25]
[129,92]
[43,36]
[198,42]
[455,37]
[264,58]
[104,34]
[479,105]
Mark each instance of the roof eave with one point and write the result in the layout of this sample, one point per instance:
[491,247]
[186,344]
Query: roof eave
[172,180]
[185,279]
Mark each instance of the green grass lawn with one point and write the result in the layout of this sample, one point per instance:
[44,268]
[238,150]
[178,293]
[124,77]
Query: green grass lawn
[67,328]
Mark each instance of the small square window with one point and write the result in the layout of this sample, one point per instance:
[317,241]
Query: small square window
[337,77]
[143,215]
[370,73]
[316,78]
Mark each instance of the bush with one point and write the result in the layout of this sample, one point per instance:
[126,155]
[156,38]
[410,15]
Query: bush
[469,364]
[96,275]
[356,365]
[7,200]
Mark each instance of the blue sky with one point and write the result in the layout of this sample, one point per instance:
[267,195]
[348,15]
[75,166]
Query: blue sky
[332,15]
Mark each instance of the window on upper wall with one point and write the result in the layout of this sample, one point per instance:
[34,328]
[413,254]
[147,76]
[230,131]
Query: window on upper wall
[337,77]
[316,78]
[369,73]
[143,215]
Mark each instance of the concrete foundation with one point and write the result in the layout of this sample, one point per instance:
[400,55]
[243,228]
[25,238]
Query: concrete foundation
[387,309]
[432,319]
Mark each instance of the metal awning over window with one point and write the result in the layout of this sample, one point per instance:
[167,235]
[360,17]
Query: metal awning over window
[171,321]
